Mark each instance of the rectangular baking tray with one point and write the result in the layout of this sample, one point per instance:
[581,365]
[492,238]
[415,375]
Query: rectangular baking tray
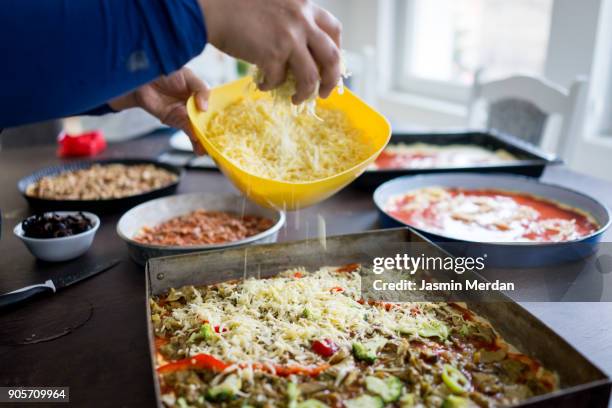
[582,383]
[532,160]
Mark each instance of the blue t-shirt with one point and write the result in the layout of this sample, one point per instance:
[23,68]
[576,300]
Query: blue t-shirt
[64,57]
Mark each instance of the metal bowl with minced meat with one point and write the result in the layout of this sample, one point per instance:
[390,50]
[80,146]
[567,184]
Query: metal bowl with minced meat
[201,227]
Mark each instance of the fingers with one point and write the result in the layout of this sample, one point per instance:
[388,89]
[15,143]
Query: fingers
[175,116]
[325,45]
[197,87]
[327,57]
[197,147]
[201,99]
[275,74]
[330,25]
[306,73]
[178,117]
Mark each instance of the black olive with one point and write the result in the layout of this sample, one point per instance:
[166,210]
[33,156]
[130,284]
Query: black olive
[51,225]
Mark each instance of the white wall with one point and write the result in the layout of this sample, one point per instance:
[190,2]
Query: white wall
[571,53]
[358,20]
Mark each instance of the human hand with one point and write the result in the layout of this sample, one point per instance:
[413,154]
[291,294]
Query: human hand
[277,35]
[165,99]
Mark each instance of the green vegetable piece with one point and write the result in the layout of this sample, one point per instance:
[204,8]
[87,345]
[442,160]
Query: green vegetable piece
[433,328]
[225,391]
[389,389]
[367,351]
[182,403]
[365,401]
[293,393]
[455,380]
[206,331]
[306,313]
[312,403]
[363,353]
[407,401]
[453,401]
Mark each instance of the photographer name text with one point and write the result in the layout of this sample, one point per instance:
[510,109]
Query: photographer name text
[475,285]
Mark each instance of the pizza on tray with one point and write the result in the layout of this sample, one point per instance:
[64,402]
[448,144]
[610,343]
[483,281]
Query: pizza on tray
[490,215]
[428,156]
[308,340]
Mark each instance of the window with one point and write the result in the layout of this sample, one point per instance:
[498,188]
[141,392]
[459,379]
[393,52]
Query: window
[442,43]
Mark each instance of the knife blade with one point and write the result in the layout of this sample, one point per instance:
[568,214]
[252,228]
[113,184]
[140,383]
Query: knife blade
[53,285]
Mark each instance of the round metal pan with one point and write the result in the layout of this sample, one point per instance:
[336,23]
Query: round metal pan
[95,206]
[513,254]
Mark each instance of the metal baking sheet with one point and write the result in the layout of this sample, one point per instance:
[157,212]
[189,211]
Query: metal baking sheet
[582,383]
[532,160]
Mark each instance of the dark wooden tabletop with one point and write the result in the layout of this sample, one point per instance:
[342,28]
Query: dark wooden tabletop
[92,336]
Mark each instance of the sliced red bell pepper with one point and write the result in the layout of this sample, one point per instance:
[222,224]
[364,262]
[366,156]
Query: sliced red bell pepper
[210,363]
[286,371]
[324,348]
[200,361]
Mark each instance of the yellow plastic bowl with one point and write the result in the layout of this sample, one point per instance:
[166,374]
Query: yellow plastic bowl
[284,195]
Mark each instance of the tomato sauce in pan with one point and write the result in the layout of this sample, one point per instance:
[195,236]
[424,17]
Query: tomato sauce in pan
[393,160]
[490,215]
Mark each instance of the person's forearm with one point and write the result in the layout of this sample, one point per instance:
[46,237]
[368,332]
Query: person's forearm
[62,57]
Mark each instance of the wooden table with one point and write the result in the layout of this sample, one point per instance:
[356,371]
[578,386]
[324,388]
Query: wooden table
[103,355]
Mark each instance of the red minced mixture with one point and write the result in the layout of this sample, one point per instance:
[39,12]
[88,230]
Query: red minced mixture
[204,227]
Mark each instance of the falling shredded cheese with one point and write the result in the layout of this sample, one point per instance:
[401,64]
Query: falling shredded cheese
[322,231]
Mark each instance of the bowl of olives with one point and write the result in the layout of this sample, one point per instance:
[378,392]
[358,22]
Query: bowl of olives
[58,236]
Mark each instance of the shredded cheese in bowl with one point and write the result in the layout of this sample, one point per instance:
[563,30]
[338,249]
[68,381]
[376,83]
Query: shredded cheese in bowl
[266,139]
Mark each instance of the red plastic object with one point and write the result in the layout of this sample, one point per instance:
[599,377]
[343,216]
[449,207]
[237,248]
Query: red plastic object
[86,144]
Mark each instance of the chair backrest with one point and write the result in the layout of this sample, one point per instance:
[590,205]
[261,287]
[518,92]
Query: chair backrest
[523,106]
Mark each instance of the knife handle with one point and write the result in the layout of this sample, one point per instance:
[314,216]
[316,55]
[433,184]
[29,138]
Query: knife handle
[22,294]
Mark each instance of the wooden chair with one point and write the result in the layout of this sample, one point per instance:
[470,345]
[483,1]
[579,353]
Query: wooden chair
[529,108]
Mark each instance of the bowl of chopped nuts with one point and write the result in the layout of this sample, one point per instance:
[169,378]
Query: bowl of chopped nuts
[102,186]
[58,236]
[196,222]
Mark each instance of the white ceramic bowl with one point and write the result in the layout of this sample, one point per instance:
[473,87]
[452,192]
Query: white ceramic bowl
[156,211]
[64,248]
